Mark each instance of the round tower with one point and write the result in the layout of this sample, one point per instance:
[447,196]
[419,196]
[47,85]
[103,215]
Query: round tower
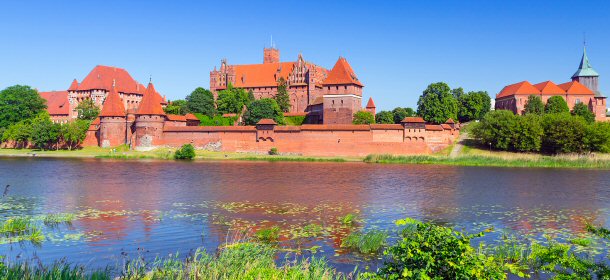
[113,120]
[150,119]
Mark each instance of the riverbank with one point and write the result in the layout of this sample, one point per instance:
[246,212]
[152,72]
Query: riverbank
[468,155]
[164,154]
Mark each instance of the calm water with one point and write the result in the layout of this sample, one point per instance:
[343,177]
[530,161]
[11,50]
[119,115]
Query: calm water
[150,209]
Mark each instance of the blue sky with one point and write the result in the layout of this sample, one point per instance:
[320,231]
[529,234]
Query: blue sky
[396,48]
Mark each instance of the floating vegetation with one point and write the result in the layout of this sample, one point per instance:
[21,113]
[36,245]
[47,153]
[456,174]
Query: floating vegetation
[349,219]
[59,218]
[268,235]
[369,242]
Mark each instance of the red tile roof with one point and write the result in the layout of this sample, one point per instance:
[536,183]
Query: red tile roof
[434,127]
[103,77]
[549,87]
[191,117]
[113,105]
[57,102]
[370,104]
[74,85]
[342,74]
[575,88]
[177,118]
[387,126]
[446,126]
[96,121]
[261,75]
[151,102]
[450,120]
[228,115]
[413,120]
[521,88]
[266,121]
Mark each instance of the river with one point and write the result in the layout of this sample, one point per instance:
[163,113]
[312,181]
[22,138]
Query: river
[127,209]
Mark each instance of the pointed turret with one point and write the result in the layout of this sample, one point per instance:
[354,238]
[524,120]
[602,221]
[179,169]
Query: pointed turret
[113,106]
[73,86]
[585,69]
[342,74]
[151,102]
[370,104]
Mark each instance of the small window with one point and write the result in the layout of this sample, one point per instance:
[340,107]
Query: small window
[578,101]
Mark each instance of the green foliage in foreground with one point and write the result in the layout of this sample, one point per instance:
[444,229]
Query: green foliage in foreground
[18,103]
[363,117]
[542,161]
[187,151]
[369,242]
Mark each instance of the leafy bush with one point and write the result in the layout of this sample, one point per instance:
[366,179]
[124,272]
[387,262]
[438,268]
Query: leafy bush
[295,120]
[534,105]
[582,110]
[363,117]
[473,105]
[556,104]
[428,251]
[437,104]
[215,121]
[367,243]
[564,133]
[384,117]
[265,108]
[273,151]
[187,151]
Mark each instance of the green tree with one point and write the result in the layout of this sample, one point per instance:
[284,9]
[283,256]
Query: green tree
[179,107]
[437,104]
[527,134]
[401,113]
[232,100]
[496,128]
[187,151]
[582,110]
[363,117]
[19,103]
[19,133]
[534,105]
[597,137]
[384,117]
[44,133]
[87,110]
[265,108]
[457,92]
[282,98]
[556,104]
[564,133]
[200,101]
[74,133]
[473,105]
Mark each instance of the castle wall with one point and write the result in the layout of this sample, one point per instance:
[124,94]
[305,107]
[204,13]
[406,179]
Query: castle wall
[312,140]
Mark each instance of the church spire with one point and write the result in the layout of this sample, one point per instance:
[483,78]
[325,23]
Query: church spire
[585,69]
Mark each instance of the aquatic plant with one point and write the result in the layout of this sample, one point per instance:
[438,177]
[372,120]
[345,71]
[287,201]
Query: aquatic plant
[268,235]
[366,243]
[58,270]
[58,218]
[349,219]
[16,226]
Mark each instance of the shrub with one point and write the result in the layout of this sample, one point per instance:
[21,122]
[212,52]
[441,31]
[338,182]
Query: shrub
[582,110]
[384,117]
[295,120]
[556,104]
[366,243]
[273,151]
[597,137]
[427,251]
[363,117]
[187,151]
[563,133]
[437,104]
[527,134]
[534,105]
[215,121]
[265,108]
[497,128]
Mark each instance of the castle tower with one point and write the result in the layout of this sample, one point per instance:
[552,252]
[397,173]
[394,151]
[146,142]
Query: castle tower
[150,119]
[370,106]
[113,121]
[271,55]
[342,94]
[586,75]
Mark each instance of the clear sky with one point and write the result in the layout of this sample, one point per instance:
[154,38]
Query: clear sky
[396,48]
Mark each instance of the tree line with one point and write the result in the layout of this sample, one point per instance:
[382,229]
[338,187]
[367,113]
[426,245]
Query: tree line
[24,121]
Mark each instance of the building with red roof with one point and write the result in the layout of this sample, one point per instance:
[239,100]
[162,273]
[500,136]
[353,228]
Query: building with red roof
[582,89]
[308,85]
[58,105]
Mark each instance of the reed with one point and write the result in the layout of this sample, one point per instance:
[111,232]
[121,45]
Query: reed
[369,242]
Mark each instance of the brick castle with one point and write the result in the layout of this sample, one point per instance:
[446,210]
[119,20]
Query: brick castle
[582,89]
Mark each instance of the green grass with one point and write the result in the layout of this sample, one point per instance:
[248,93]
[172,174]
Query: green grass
[497,161]
[370,242]
[58,270]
